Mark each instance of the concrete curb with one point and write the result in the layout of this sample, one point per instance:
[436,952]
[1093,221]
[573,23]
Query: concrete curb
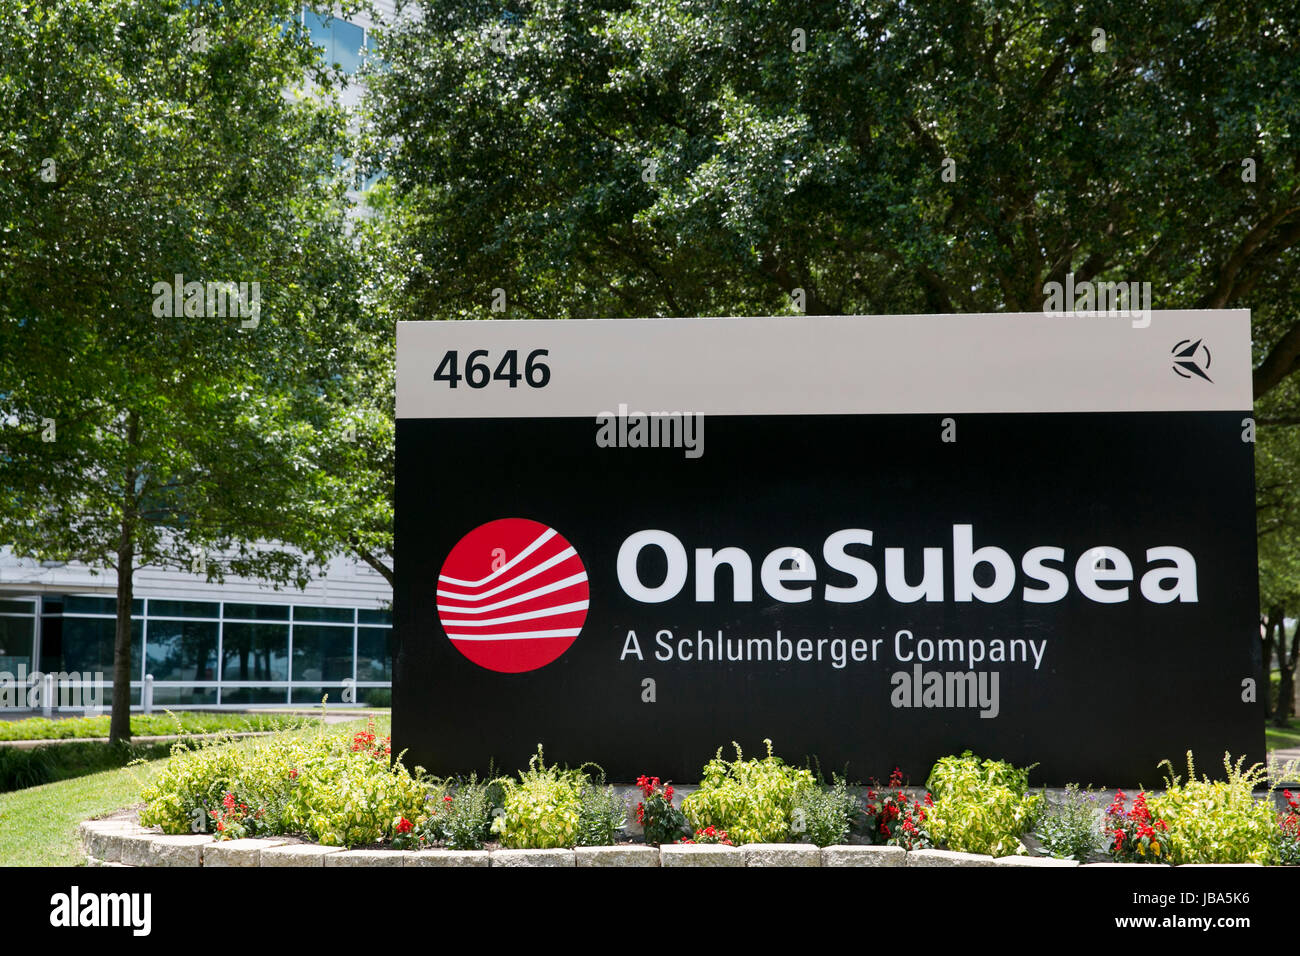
[125,843]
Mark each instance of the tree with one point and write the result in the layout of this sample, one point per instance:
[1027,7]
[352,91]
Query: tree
[1277,458]
[600,158]
[618,158]
[152,156]
[352,454]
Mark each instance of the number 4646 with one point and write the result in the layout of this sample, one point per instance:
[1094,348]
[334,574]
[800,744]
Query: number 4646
[478,369]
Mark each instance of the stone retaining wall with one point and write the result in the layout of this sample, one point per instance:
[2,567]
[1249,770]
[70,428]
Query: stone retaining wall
[124,843]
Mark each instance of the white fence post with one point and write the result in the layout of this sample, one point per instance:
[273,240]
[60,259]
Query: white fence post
[146,695]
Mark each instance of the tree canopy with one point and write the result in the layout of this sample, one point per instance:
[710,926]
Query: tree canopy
[155,158]
[607,158]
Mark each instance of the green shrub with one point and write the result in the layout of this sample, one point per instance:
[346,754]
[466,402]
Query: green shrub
[601,815]
[468,817]
[709,836]
[193,783]
[980,806]
[1135,835]
[342,799]
[661,821]
[20,769]
[893,818]
[1218,821]
[336,789]
[752,800]
[54,762]
[1069,830]
[542,808]
[1288,831]
[824,815]
[149,725]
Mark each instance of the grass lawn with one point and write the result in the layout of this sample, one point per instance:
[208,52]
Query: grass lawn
[38,826]
[1278,737]
[148,725]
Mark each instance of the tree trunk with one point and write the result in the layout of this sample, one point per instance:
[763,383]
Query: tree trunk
[1286,665]
[119,724]
[1267,625]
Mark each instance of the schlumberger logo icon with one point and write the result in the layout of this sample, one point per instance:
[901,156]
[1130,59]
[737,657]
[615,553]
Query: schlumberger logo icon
[512,595]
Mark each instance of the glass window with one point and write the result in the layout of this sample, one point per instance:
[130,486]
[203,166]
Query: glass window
[317,28]
[184,608]
[182,650]
[374,617]
[375,696]
[16,635]
[17,607]
[340,41]
[92,605]
[322,653]
[107,701]
[349,43]
[85,644]
[312,695]
[258,612]
[374,653]
[255,695]
[337,615]
[255,652]
[184,696]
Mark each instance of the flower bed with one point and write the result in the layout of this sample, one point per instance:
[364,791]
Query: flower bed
[347,792]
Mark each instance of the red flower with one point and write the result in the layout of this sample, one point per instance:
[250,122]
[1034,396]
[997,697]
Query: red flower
[404,825]
[228,801]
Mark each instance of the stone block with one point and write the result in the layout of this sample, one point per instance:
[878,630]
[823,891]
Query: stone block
[448,858]
[864,856]
[298,854]
[533,858]
[695,854]
[947,858]
[617,856]
[782,854]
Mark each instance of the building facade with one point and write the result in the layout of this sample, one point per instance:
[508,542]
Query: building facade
[231,645]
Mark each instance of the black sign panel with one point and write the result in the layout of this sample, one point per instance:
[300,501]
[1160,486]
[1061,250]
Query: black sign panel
[1071,588]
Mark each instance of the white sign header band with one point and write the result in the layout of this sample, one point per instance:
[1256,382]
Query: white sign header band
[826,365]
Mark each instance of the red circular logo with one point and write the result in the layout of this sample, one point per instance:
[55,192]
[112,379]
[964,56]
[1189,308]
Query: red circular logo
[512,595]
